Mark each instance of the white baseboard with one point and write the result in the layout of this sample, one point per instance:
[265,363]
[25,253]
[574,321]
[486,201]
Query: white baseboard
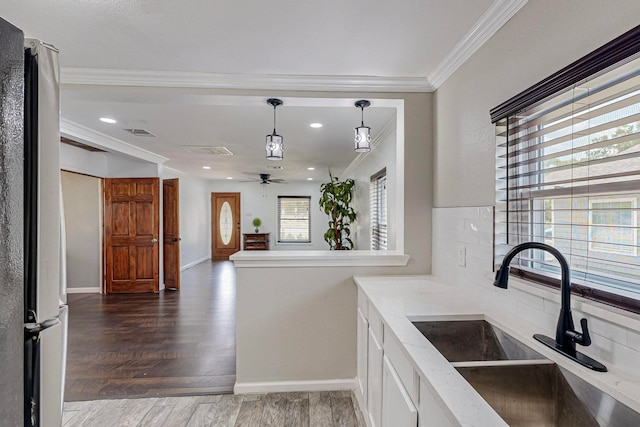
[194,263]
[95,290]
[288,386]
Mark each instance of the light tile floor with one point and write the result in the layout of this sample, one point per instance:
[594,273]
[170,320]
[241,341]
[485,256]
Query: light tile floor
[321,409]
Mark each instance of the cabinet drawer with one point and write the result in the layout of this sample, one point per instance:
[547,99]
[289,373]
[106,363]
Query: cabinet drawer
[402,365]
[256,246]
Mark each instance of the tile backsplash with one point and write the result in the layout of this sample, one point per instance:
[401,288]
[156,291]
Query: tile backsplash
[463,254]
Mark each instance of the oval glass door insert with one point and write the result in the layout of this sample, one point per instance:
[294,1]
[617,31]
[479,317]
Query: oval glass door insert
[226,223]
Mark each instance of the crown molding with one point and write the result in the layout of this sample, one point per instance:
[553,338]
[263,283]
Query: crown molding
[108,143]
[184,79]
[488,24]
[175,171]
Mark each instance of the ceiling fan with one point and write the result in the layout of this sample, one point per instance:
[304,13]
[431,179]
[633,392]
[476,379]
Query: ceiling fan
[265,178]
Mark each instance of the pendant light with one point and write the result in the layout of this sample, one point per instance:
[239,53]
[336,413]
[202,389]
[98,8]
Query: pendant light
[363,133]
[274,145]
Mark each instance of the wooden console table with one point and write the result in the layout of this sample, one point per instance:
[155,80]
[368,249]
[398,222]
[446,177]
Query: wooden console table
[256,241]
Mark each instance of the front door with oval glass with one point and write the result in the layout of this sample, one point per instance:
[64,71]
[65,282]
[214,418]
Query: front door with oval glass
[225,224]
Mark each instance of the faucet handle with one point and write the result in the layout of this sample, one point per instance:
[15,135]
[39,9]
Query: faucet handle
[586,338]
[583,338]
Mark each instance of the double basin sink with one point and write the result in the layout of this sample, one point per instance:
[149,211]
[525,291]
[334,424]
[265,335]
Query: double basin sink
[520,384]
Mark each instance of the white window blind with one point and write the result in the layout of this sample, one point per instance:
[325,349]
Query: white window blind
[378,204]
[568,174]
[294,221]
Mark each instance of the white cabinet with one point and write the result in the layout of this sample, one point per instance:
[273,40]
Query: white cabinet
[374,377]
[362,363]
[386,385]
[397,408]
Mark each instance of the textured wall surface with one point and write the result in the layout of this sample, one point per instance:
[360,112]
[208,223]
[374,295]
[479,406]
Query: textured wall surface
[11,235]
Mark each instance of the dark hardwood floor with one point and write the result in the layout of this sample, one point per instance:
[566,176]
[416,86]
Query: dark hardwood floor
[147,345]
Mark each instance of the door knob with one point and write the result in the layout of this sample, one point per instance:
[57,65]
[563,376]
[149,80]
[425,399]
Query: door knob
[154,240]
[176,239]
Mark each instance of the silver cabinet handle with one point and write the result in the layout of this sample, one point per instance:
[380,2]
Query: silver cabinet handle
[154,240]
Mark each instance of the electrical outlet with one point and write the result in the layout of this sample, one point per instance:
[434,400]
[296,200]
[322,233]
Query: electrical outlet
[462,255]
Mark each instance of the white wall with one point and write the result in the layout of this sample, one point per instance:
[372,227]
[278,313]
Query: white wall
[119,166]
[382,155]
[263,321]
[82,198]
[76,159]
[104,165]
[195,217]
[543,37]
[258,200]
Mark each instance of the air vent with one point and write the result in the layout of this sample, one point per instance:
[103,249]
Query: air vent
[140,132]
[205,149]
[80,145]
[275,167]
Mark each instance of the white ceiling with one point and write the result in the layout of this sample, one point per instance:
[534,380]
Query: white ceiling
[239,41]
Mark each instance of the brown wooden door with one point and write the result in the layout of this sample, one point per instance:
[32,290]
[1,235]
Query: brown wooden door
[225,224]
[171,232]
[131,212]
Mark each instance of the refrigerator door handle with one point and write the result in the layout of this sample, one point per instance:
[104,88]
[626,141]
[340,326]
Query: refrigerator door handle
[34,329]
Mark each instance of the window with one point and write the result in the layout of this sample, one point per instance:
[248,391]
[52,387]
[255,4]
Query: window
[613,226]
[568,174]
[378,205]
[294,221]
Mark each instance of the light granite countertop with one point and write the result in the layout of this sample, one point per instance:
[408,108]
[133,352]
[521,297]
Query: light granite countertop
[402,299]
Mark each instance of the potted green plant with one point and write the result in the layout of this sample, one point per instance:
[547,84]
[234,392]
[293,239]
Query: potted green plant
[335,201]
[256,223]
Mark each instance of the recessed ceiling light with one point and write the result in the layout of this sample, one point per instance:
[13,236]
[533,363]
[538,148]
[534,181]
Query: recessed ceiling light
[107,120]
[206,167]
[309,179]
[316,125]
[311,169]
[229,177]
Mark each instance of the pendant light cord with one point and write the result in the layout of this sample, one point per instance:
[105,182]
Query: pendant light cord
[274,120]
[362,116]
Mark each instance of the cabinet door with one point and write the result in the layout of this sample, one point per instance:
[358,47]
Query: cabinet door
[363,342]
[431,414]
[397,408]
[374,380]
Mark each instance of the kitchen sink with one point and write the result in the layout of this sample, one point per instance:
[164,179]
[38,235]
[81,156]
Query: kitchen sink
[546,395]
[474,340]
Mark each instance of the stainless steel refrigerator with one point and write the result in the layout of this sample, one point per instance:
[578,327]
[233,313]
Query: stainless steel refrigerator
[32,232]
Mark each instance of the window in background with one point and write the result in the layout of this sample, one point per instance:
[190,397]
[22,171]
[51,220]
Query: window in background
[613,226]
[294,220]
[568,174]
[378,206]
